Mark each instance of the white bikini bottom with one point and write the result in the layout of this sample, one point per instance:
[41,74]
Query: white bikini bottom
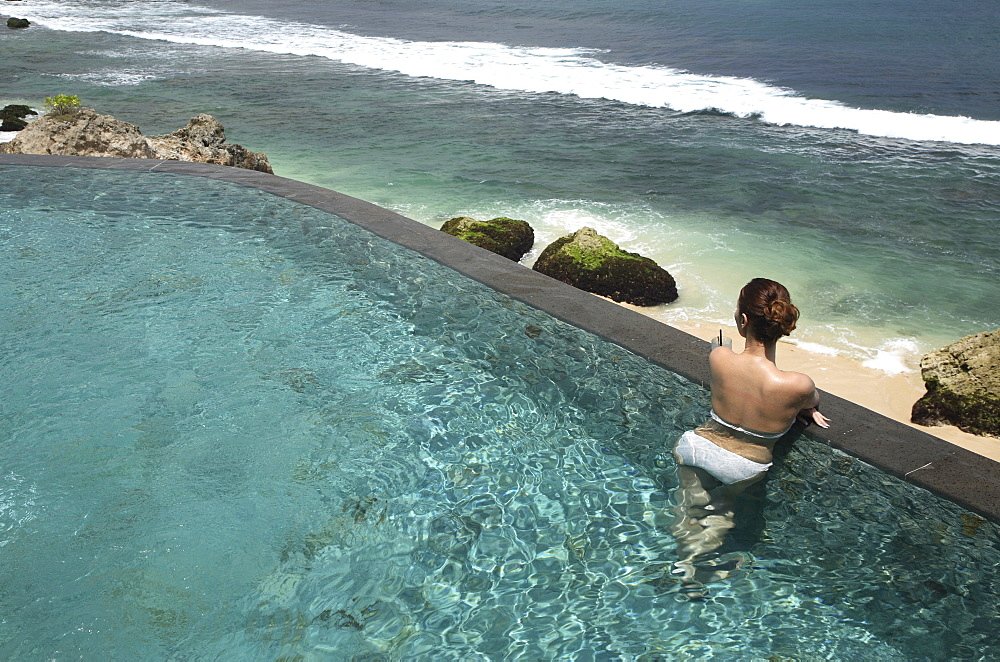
[697,451]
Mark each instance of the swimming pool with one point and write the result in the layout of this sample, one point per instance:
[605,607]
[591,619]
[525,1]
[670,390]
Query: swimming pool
[236,426]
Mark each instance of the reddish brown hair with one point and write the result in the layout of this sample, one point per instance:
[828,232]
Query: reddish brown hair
[769,309]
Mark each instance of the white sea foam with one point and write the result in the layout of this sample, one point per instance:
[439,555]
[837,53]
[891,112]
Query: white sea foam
[529,69]
[563,221]
[895,356]
[816,348]
[111,78]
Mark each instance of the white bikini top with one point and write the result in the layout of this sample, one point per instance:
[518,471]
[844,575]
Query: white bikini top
[752,433]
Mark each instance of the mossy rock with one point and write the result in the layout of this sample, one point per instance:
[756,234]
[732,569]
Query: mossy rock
[963,385]
[17,23]
[12,117]
[503,236]
[596,264]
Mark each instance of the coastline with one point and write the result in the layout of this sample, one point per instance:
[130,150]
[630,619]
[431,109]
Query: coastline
[890,395]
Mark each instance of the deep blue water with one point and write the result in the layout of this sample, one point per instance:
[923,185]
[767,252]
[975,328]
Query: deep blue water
[928,57]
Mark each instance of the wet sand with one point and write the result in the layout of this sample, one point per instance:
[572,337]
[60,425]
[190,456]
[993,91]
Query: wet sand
[890,395]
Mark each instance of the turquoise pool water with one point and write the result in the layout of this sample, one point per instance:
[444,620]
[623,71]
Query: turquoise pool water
[237,427]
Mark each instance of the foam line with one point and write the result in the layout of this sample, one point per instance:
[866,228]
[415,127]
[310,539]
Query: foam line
[529,69]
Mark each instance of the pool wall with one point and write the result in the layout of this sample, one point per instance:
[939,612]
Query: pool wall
[971,480]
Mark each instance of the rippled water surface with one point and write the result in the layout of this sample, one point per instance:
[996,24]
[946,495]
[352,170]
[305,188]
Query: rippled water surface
[234,426]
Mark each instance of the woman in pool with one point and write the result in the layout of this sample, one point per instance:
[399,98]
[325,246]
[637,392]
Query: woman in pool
[753,405]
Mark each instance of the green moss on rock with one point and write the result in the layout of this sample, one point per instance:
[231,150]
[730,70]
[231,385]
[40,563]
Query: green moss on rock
[504,236]
[963,385]
[596,264]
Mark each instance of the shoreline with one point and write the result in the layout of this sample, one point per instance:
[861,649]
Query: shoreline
[889,395]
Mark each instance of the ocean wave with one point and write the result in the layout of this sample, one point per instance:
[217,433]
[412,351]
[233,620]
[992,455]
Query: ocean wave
[895,356]
[570,71]
[815,347]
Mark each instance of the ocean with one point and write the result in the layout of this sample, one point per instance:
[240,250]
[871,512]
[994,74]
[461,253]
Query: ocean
[850,150]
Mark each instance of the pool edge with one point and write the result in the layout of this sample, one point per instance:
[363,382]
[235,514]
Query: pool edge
[966,478]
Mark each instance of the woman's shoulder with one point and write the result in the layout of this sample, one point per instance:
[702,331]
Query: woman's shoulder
[796,378]
[797,384]
[721,354]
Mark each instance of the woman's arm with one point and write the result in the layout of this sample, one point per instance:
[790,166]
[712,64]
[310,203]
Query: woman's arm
[811,414]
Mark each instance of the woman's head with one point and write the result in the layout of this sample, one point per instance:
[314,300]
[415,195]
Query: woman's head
[768,308]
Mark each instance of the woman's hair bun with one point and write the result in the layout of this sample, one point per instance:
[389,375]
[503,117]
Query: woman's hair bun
[781,315]
[769,309]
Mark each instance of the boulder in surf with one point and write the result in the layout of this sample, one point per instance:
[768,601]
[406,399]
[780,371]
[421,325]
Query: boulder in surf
[596,264]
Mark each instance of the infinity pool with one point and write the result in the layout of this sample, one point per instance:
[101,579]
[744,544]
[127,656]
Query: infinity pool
[238,427]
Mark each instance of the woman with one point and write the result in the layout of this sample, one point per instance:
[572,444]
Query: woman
[753,402]
[753,405]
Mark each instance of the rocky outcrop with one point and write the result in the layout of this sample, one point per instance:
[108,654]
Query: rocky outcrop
[87,133]
[81,133]
[963,385]
[596,264]
[12,117]
[503,236]
[17,23]
[204,140]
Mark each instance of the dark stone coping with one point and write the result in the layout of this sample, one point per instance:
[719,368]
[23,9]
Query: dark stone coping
[968,479]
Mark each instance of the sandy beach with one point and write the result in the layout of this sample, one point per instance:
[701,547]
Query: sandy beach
[890,395]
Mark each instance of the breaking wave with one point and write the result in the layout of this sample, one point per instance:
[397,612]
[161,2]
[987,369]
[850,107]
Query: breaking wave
[570,71]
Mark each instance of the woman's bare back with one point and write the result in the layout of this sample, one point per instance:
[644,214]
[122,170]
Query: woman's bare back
[750,391]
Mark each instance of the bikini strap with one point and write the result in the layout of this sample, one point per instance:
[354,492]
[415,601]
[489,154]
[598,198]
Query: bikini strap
[752,433]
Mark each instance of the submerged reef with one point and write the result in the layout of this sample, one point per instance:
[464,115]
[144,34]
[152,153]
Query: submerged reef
[504,236]
[84,132]
[596,264]
[963,385]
